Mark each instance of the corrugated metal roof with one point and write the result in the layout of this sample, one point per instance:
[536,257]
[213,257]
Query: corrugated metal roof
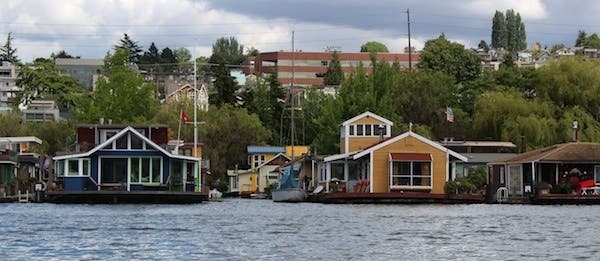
[265,149]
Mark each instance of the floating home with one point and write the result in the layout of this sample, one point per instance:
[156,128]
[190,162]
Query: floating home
[126,164]
[375,167]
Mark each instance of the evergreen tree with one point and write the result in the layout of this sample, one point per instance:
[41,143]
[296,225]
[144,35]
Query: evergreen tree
[168,60]
[334,74]
[498,30]
[483,45]
[581,36]
[508,31]
[7,52]
[152,56]
[134,49]
[225,87]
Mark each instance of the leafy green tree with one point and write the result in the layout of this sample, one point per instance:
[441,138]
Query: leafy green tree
[374,47]
[183,57]
[43,80]
[10,124]
[238,128]
[202,65]
[225,87]
[121,95]
[264,99]
[55,136]
[556,47]
[250,52]
[7,52]
[358,93]
[452,58]
[227,51]
[592,41]
[334,74]
[133,48]
[313,107]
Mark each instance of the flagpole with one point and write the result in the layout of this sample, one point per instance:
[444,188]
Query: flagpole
[195,153]
[179,131]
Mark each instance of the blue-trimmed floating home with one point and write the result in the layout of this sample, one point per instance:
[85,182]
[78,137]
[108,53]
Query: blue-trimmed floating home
[126,165]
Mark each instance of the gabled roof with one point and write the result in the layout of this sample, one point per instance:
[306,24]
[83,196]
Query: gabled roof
[565,152]
[273,159]
[414,135]
[368,114]
[200,88]
[118,135]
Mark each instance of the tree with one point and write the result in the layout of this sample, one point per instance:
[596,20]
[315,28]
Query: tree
[7,52]
[556,47]
[508,31]
[483,45]
[121,95]
[44,80]
[236,126]
[133,48]
[592,41]
[225,87]
[251,52]
[168,60]
[374,47]
[61,54]
[451,58]
[498,30]
[227,51]
[581,36]
[152,56]
[184,58]
[334,74]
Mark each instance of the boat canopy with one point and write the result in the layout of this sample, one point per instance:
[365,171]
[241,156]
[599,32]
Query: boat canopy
[287,180]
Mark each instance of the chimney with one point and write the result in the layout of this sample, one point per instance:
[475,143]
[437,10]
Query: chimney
[101,121]
[574,132]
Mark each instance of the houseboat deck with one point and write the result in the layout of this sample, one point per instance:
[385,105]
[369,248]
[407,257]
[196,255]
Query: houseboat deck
[395,198]
[125,197]
[566,199]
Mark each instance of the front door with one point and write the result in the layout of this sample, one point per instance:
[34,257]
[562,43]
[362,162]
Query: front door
[515,180]
[114,172]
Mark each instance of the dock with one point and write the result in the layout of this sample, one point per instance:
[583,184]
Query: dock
[125,197]
[396,198]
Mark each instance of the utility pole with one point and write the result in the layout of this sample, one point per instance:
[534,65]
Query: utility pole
[409,46]
[293,92]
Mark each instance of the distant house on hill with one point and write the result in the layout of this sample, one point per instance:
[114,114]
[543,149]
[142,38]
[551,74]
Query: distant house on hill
[186,93]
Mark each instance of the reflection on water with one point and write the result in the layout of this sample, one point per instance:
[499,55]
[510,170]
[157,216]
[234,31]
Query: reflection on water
[238,229]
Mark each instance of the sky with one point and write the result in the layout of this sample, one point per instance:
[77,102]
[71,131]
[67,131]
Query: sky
[90,29]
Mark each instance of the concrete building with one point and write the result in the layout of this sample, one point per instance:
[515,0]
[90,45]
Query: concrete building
[309,67]
[40,111]
[8,86]
[85,71]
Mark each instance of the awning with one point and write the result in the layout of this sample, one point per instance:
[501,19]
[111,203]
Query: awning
[410,156]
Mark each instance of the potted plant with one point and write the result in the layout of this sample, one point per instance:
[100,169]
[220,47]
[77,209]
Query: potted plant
[543,188]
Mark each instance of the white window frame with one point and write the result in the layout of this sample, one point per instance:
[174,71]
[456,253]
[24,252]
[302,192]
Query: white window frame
[150,158]
[80,162]
[518,191]
[411,176]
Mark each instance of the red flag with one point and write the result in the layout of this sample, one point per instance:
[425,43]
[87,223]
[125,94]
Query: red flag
[184,117]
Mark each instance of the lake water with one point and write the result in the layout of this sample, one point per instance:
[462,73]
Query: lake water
[245,229]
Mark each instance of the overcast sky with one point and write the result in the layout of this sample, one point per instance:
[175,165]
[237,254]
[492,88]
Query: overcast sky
[90,28]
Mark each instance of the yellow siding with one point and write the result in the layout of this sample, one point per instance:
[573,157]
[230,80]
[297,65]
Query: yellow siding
[245,183]
[264,181]
[367,120]
[381,178]
[360,143]
[298,150]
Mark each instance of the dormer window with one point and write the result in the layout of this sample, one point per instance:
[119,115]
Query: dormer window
[367,130]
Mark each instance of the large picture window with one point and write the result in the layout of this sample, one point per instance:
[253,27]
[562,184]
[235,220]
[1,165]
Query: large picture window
[410,174]
[145,170]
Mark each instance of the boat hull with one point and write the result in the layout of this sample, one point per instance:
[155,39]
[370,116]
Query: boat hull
[289,195]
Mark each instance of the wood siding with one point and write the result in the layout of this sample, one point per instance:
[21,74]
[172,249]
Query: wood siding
[381,175]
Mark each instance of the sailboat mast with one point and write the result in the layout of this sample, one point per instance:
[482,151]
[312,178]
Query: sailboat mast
[292,97]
